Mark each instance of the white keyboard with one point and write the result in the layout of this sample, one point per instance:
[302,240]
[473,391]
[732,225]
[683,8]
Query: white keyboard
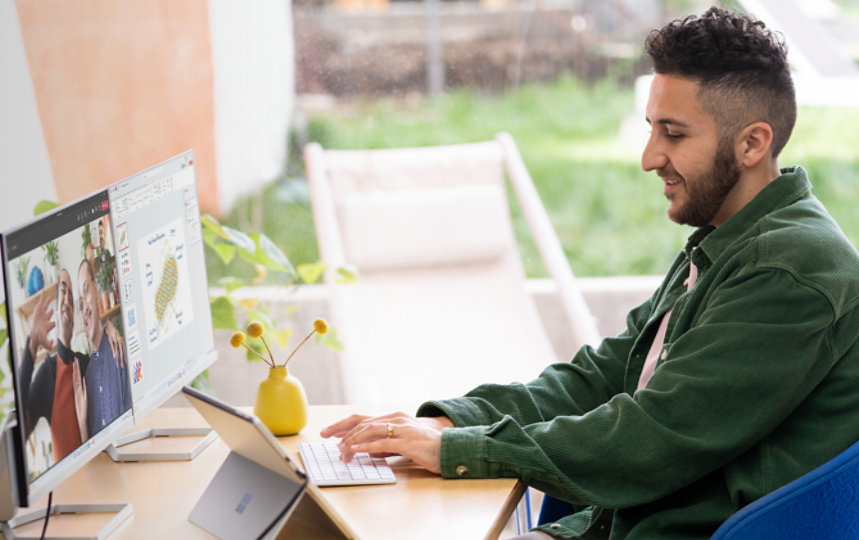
[324,468]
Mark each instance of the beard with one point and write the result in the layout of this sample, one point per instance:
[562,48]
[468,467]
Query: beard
[707,193]
[65,324]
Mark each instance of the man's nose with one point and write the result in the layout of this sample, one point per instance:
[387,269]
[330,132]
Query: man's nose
[652,157]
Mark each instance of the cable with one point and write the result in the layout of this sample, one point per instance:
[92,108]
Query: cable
[47,515]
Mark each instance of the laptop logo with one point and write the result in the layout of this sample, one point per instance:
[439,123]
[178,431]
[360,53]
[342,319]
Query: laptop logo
[243,504]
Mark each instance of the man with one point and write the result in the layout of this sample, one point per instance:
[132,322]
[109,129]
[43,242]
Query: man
[740,374]
[106,380]
[51,392]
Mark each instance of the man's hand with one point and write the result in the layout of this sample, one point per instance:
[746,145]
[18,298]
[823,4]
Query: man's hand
[418,439]
[115,341]
[79,390]
[41,325]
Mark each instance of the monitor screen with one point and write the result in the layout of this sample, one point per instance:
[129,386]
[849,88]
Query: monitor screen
[71,372]
[108,304]
[162,280]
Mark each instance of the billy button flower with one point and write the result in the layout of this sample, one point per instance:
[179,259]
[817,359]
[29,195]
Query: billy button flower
[319,326]
[238,340]
[255,330]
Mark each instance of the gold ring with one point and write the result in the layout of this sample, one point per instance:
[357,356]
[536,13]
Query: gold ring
[390,429]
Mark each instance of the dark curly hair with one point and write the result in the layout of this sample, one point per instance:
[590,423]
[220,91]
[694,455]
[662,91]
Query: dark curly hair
[740,64]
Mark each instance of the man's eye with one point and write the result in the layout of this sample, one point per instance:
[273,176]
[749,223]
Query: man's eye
[674,136]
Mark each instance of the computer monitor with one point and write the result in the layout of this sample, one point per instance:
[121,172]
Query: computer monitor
[72,391]
[108,310]
[161,271]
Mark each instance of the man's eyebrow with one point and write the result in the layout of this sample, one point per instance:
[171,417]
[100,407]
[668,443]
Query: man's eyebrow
[669,122]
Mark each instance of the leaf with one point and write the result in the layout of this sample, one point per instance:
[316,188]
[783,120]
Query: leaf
[259,348]
[211,224]
[346,274]
[223,313]
[330,340]
[282,337]
[240,239]
[262,316]
[249,257]
[210,237]
[311,272]
[271,256]
[224,251]
[43,206]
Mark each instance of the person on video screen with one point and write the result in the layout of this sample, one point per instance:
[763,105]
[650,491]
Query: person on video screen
[56,392]
[106,375]
[50,394]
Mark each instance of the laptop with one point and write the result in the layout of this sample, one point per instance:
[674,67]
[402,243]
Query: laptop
[258,492]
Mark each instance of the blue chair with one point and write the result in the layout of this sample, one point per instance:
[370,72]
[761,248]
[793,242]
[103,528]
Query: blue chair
[553,509]
[821,504]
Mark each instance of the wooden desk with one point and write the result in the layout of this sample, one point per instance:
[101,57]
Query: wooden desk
[420,505]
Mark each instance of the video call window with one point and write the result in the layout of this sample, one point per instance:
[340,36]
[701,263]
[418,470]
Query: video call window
[66,331]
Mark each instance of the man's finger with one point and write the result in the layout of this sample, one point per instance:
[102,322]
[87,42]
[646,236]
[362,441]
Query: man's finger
[376,448]
[388,447]
[338,429]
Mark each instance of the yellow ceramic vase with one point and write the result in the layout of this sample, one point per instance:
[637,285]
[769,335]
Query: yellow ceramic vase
[281,403]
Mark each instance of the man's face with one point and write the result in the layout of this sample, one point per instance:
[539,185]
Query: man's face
[697,169]
[88,294]
[65,308]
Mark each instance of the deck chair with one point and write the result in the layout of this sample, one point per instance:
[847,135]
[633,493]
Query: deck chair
[440,304]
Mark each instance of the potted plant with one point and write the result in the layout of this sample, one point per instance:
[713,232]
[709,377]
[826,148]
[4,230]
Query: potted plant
[21,268]
[52,257]
[104,279]
[5,382]
[266,258]
[280,402]
[87,248]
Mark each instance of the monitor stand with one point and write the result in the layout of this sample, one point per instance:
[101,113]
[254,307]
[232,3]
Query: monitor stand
[10,483]
[207,435]
[9,489]
[120,511]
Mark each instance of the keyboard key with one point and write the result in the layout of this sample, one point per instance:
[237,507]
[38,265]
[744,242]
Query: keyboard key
[324,468]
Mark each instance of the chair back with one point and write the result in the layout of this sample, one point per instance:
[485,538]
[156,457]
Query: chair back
[440,304]
[821,504]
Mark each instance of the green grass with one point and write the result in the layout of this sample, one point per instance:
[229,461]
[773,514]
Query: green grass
[609,215]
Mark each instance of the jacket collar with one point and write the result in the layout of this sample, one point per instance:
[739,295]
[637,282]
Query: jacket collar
[792,185]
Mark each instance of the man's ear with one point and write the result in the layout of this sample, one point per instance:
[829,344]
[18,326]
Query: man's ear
[753,144]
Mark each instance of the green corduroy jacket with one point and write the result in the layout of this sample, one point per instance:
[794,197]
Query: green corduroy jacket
[758,384]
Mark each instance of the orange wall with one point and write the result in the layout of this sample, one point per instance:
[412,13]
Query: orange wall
[121,86]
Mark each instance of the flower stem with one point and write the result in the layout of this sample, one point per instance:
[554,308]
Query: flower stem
[299,346]
[264,342]
[263,358]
